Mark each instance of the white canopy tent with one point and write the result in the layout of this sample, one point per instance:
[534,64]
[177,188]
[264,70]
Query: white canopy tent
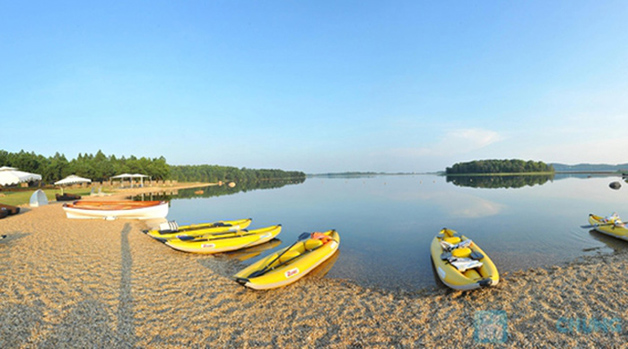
[131,177]
[72,179]
[11,176]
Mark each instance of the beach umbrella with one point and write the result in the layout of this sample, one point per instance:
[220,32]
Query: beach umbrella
[72,179]
[11,176]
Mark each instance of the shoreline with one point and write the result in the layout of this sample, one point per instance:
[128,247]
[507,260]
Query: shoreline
[79,282]
[121,193]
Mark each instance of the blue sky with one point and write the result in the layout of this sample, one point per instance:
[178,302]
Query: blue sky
[317,86]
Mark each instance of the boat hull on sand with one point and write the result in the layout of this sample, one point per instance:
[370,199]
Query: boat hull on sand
[473,278]
[290,264]
[111,210]
[11,210]
[227,241]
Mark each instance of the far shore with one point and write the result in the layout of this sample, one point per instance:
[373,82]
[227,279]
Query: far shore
[121,193]
[21,197]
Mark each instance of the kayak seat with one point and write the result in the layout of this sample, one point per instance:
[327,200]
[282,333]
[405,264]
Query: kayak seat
[461,252]
[288,256]
[453,240]
[311,244]
[476,255]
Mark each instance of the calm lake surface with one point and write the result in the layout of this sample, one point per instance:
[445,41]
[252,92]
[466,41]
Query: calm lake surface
[386,223]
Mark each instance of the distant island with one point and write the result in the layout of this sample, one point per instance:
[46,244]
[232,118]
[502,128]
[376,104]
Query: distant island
[515,166]
[497,167]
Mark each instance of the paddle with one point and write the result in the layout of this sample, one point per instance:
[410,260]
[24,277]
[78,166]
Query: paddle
[202,236]
[266,269]
[600,225]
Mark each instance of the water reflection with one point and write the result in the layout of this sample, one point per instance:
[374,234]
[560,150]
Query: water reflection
[500,181]
[216,190]
[254,251]
[615,244]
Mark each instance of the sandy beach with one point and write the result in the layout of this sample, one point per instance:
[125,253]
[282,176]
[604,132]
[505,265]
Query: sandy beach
[95,283]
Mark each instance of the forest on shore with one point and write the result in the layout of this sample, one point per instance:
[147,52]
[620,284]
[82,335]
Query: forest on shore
[100,167]
[499,166]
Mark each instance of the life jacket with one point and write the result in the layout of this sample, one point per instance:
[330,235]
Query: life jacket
[320,236]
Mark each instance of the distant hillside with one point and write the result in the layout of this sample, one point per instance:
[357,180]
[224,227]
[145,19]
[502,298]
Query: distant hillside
[590,168]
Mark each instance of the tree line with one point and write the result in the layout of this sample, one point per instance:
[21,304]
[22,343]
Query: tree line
[101,167]
[499,166]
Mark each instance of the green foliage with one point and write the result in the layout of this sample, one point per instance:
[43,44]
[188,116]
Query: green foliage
[215,173]
[499,166]
[102,167]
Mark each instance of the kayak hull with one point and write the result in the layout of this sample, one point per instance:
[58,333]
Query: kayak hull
[484,276]
[230,241]
[293,270]
[110,210]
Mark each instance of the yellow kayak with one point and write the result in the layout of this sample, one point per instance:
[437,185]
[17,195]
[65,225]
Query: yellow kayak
[226,242]
[612,226]
[250,252]
[291,263]
[171,230]
[460,263]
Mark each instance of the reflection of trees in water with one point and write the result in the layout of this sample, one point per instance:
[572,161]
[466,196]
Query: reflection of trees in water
[499,181]
[220,190]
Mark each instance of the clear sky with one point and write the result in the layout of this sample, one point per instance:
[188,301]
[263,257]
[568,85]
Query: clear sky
[317,86]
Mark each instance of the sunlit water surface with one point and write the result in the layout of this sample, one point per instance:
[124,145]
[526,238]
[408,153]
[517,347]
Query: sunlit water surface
[386,223]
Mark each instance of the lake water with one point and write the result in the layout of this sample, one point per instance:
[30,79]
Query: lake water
[386,223]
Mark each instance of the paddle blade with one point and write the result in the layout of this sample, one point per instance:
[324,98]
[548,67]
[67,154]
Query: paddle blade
[257,273]
[304,236]
[186,237]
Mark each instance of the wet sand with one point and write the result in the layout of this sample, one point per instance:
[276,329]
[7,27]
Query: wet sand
[86,283]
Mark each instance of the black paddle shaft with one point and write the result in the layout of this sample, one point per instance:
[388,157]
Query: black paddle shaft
[264,270]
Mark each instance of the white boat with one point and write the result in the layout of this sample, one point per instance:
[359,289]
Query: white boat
[111,210]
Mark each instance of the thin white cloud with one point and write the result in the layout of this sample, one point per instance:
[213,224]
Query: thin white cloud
[454,142]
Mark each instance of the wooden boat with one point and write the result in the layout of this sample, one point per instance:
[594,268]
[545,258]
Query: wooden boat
[171,230]
[11,209]
[611,226]
[460,263]
[3,212]
[67,197]
[227,241]
[291,263]
[111,210]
